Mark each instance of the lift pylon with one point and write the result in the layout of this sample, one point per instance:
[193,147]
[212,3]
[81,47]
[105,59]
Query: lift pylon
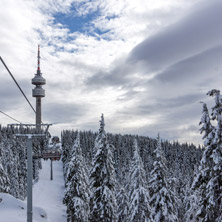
[29,137]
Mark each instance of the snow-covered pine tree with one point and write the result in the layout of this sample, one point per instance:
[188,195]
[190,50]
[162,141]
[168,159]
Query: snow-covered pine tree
[200,182]
[76,195]
[192,207]
[139,208]
[68,137]
[22,168]
[162,198]
[207,184]
[12,168]
[182,159]
[206,127]
[102,179]
[4,180]
[123,205]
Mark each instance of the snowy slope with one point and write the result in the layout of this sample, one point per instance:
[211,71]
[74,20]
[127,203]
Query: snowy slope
[14,210]
[48,194]
[47,199]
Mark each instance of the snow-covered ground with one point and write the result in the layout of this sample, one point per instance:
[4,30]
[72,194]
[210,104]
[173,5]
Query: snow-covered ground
[14,210]
[47,199]
[48,194]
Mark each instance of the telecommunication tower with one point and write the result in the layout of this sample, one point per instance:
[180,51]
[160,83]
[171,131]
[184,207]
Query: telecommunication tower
[38,92]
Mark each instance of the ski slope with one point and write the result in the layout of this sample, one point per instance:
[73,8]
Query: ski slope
[14,210]
[48,194]
[47,199]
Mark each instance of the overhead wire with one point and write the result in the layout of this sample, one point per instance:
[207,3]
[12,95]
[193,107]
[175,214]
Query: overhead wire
[10,117]
[16,83]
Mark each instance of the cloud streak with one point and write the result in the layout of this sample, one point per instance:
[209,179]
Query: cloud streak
[198,31]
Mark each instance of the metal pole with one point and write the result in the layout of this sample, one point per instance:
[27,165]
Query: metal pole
[29,179]
[51,177]
[29,166]
[38,113]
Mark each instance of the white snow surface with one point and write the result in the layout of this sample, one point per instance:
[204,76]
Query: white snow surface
[48,194]
[47,199]
[14,210]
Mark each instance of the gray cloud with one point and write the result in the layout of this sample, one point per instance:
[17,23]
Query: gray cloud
[194,68]
[119,75]
[171,132]
[197,32]
[10,96]
[196,74]
[60,86]
[78,64]
[177,119]
[168,104]
[172,111]
[63,113]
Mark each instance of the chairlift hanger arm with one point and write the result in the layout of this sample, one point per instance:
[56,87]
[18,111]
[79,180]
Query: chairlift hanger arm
[16,124]
[30,135]
[30,125]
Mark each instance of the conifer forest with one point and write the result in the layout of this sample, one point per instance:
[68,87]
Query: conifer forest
[129,178]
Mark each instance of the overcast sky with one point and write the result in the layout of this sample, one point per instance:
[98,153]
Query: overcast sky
[145,64]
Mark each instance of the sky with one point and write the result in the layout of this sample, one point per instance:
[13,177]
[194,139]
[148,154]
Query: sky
[144,64]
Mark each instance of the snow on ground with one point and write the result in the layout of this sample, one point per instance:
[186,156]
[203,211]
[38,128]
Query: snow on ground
[47,199]
[48,194]
[14,210]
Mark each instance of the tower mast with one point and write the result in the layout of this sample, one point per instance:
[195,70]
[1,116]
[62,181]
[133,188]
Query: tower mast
[38,92]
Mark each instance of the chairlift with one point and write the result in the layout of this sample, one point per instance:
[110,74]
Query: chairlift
[53,151]
[22,129]
[51,154]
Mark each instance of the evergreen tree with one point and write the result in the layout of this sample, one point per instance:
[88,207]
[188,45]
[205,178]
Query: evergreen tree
[12,169]
[182,160]
[4,180]
[77,190]
[207,184]
[139,209]
[123,206]
[162,198]
[192,207]
[67,145]
[22,169]
[206,126]
[102,202]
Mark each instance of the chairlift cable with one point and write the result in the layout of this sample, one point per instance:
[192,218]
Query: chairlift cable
[10,117]
[16,83]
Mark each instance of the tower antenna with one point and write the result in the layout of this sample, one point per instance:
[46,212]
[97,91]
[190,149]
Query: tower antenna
[38,92]
[38,65]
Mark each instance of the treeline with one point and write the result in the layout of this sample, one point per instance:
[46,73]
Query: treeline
[138,179]
[117,169]
[13,160]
